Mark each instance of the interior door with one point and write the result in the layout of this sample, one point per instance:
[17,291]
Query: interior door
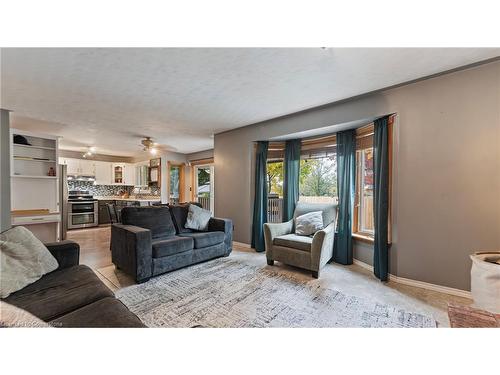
[204,186]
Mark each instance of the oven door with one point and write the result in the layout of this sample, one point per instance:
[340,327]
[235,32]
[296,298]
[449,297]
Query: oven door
[82,214]
[81,207]
[81,220]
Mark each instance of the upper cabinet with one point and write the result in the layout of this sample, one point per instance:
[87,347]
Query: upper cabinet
[118,173]
[79,166]
[106,173]
[129,174]
[103,173]
[142,175]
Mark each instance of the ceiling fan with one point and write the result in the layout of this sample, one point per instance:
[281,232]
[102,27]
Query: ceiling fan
[149,146]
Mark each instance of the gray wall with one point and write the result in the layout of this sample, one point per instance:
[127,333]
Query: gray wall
[446,185]
[201,155]
[4,170]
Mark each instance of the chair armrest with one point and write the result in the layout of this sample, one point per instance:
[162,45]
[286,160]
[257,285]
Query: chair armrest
[131,250]
[67,253]
[223,225]
[322,246]
[273,230]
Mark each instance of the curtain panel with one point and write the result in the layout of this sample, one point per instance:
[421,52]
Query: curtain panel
[381,197]
[346,172]
[260,201]
[291,169]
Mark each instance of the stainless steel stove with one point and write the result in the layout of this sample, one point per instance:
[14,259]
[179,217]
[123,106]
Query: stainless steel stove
[82,209]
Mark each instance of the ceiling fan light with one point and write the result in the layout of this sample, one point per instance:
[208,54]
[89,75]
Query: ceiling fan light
[153,151]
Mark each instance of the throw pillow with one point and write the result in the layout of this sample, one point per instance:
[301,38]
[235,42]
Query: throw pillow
[23,260]
[14,317]
[309,223]
[197,218]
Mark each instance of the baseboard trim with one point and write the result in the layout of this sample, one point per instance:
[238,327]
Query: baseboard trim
[242,244]
[419,284]
[400,280]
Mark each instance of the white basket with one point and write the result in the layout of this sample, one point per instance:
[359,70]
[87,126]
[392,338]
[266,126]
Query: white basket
[485,281]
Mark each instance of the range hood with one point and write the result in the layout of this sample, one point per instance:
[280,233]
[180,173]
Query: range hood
[74,177]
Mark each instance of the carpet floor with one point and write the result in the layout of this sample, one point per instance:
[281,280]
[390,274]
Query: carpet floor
[227,292]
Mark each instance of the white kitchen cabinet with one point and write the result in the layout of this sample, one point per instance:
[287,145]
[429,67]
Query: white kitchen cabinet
[78,167]
[103,173]
[87,167]
[141,175]
[118,171]
[129,174]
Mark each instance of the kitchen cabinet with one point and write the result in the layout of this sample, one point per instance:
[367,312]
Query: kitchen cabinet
[103,173]
[118,173]
[129,174]
[78,167]
[142,175]
[87,167]
[103,209]
[73,166]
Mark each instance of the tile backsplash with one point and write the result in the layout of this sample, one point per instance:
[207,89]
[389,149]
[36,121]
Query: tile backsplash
[106,190]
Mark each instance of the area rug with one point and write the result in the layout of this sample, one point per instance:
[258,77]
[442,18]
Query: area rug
[229,293]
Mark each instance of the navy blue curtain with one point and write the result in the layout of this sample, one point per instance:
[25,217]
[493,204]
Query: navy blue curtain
[291,168]
[260,201]
[346,172]
[381,197]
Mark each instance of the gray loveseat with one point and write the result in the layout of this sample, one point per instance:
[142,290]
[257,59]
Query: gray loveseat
[72,295]
[153,240]
[311,253]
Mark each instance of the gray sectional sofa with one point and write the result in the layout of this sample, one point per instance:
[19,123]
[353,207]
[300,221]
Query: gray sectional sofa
[153,240]
[72,295]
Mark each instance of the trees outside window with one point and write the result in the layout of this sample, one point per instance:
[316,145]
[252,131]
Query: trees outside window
[318,177]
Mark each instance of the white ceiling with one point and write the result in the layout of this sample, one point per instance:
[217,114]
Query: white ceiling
[111,97]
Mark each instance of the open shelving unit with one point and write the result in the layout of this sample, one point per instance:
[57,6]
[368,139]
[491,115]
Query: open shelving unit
[35,183]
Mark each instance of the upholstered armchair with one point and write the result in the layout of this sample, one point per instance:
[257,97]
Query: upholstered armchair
[308,252]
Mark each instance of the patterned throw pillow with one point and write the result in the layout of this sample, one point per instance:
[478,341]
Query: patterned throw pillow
[308,224]
[197,218]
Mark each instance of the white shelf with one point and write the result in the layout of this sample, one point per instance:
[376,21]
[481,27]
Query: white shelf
[31,176]
[38,147]
[17,158]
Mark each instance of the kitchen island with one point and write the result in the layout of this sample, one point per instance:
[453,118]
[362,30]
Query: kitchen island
[120,203]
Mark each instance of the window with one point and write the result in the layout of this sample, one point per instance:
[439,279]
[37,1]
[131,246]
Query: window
[275,190]
[174,184]
[318,179]
[364,191]
[363,221]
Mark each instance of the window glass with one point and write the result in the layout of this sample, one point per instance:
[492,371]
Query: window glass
[365,207]
[318,179]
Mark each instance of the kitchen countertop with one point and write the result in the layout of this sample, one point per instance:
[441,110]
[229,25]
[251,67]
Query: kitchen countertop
[129,199]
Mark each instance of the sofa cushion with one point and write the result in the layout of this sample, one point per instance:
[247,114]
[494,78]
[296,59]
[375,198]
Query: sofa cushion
[170,246]
[205,239]
[60,292]
[13,317]
[294,241]
[157,219]
[104,313]
[179,216]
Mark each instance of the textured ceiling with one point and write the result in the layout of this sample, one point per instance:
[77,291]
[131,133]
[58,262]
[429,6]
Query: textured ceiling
[111,97]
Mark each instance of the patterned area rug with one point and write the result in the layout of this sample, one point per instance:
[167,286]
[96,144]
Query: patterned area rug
[228,293]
